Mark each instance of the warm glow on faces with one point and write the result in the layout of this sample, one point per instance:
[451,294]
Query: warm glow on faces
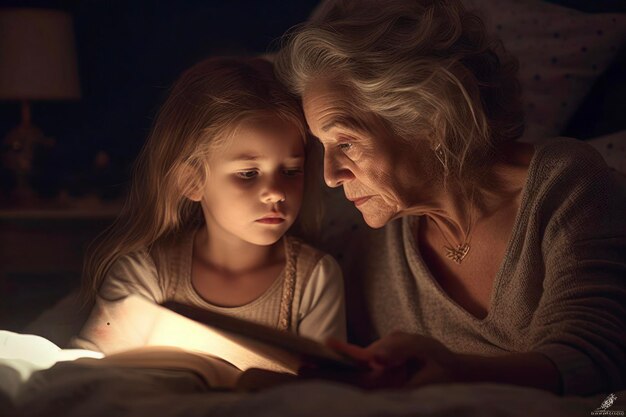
[256,181]
[378,172]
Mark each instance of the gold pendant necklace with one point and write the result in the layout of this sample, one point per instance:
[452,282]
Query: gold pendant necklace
[457,254]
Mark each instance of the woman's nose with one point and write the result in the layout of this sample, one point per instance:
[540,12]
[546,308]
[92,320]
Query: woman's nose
[335,171]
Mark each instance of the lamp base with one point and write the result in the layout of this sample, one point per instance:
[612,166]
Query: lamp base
[18,154]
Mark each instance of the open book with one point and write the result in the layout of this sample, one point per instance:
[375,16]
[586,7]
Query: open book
[135,322]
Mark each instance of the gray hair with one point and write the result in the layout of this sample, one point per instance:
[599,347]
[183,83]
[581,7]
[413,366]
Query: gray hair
[426,67]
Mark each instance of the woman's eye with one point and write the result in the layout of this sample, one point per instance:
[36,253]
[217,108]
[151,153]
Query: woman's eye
[247,175]
[346,146]
[292,172]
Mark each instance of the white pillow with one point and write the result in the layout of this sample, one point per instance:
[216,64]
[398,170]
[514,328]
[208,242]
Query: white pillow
[561,53]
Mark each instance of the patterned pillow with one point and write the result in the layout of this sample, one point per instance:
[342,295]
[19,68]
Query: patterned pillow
[613,149]
[561,52]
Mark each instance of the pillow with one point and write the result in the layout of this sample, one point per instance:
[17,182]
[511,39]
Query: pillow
[613,148]
[561,52]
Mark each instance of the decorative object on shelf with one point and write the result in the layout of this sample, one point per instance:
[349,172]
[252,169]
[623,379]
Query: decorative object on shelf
[38,58]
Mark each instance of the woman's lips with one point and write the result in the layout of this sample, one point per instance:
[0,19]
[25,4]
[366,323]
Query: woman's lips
[271,220]
[360,201]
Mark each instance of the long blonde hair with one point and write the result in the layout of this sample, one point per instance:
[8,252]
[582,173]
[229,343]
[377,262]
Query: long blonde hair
[426,67]
[204,107]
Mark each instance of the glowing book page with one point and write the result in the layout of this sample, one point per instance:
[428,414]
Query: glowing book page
[23,354]
[276,345]
[172,329]
[136,322]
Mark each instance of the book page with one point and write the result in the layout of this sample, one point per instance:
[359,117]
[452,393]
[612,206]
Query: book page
[135,322]
[215,372]
[38,350]
[172,329]
[23,354]
[264,339]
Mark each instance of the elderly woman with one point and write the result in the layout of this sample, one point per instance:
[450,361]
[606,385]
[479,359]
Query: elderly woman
[498,261]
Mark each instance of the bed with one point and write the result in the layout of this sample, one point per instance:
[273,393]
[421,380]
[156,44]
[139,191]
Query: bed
[574,85]
[71,390]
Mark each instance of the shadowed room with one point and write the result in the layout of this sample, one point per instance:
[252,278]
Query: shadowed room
[338,207]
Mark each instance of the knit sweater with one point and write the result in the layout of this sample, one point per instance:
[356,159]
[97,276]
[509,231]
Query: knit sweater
[560,289]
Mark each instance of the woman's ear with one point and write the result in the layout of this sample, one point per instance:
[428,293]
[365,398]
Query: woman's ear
[191,181]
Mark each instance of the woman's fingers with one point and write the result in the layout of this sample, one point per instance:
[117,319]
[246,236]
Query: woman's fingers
[396,348]
[355,352]
[390,351]
[424,360]
[398,359]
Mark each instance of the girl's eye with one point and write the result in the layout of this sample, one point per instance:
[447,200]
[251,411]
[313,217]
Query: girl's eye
[247,175]
[293,172]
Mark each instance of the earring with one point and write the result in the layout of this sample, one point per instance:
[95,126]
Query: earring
[441,156]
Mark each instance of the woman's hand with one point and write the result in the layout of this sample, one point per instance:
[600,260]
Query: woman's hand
[422,360]
[411,360]
[397,360]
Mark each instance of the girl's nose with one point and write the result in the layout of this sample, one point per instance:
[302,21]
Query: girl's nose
[273,194]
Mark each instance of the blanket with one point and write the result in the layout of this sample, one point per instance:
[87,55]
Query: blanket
[77,389]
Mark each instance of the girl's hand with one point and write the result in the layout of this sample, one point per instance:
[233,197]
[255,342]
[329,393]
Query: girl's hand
[397,360]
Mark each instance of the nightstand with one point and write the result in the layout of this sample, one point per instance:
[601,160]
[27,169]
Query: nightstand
[41,254]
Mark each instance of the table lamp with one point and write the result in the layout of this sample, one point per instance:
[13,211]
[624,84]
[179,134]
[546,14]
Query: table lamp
[37,62]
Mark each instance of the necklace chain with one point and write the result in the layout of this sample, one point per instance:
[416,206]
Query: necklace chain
[457,253]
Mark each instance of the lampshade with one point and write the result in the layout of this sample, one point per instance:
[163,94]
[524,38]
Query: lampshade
[37,55]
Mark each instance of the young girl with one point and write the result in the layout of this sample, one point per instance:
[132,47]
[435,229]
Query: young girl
[219,182]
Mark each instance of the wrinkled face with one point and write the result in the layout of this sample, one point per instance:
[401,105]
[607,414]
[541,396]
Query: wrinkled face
[256,181]
[382,174]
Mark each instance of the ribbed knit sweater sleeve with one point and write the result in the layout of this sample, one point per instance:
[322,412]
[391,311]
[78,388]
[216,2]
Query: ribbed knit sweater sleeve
[580,320]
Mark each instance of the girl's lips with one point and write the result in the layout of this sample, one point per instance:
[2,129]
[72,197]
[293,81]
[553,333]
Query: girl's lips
[271,220]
